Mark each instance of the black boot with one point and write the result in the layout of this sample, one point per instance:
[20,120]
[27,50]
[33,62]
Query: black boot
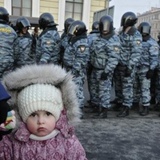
[124,112]
[114,101]
[88,105]
[94,109]
[145,111]
[157,107]
[117,106]
[153,100]
[135,106]
[103,113]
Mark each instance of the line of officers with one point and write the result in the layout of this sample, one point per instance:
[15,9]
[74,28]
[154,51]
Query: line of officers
[127,59]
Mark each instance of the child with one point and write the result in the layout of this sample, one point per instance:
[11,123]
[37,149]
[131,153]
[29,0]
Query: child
[6,115]
[45,100]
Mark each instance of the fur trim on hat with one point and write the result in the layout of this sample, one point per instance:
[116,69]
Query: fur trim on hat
[45,74]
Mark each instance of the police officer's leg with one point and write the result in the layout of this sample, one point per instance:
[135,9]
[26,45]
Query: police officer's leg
[127,95]
[104,96]
[118,88]
[94,92]
[145,95]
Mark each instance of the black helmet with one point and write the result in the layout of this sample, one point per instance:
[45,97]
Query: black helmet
[13,25]
[67,23]
[106,24]
[4,15]
[77,28]
[158,36]
[144,28]
[95,26]
[128,19]
[46,20]
[21,23]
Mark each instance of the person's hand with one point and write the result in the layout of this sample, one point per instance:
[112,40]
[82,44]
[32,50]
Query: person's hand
[128,72]
[8,125]
[4,108]
[104,76]
[149,74]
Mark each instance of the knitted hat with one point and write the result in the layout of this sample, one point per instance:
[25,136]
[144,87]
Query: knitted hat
[40,97]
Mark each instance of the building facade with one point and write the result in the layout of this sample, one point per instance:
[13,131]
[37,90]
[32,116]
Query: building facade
[60,9]
[153,17]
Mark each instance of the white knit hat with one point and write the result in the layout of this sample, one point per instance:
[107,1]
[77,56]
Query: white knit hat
[40,97]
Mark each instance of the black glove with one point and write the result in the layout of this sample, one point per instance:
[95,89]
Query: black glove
[104,76]
[128,72]
[149,74]
[2,133]
[89,70]
[4,108]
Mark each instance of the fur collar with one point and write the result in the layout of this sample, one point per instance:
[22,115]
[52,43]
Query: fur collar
[48,74]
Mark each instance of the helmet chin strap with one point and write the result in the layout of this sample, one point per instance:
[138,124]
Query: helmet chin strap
[127,29]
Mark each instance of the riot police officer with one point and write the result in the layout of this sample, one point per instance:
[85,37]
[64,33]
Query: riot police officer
[155,82]
[48,43]
[145,67]
[67,23]
[131,40]
[94,33]
[23,43]
[92,36]
[76,56]
[105,54]
[7,38]
[65,37]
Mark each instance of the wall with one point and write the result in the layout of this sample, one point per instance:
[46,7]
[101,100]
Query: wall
[1,2]
[96,6]
[50,6]
[153,17]
[57,7]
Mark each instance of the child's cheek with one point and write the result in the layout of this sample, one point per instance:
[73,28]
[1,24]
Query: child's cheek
[31,126]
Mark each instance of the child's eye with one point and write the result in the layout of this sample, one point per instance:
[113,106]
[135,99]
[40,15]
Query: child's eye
[48,113]
[33,114]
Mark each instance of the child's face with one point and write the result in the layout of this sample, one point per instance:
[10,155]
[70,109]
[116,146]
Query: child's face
[41,123]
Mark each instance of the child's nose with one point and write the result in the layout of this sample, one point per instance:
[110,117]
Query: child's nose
[41,120]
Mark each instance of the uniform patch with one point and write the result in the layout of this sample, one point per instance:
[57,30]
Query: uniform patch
[82,48]
[116,49]
[48,42]
[5,30]
[138,42]
[156,48]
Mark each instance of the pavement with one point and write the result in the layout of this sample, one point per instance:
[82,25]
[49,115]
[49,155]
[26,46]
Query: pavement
[133,137]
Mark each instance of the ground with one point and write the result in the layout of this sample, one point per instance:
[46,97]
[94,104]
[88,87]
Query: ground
[131,138]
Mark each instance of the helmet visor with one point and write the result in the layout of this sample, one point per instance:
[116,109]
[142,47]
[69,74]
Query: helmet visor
[72,30]
[146,29]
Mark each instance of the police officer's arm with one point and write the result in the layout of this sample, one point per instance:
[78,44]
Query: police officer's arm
[114,49]
[154,54]
[49,48]
[81,57]
[135,52]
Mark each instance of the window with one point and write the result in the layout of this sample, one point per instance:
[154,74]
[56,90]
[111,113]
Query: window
[22,8]
[74,9]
